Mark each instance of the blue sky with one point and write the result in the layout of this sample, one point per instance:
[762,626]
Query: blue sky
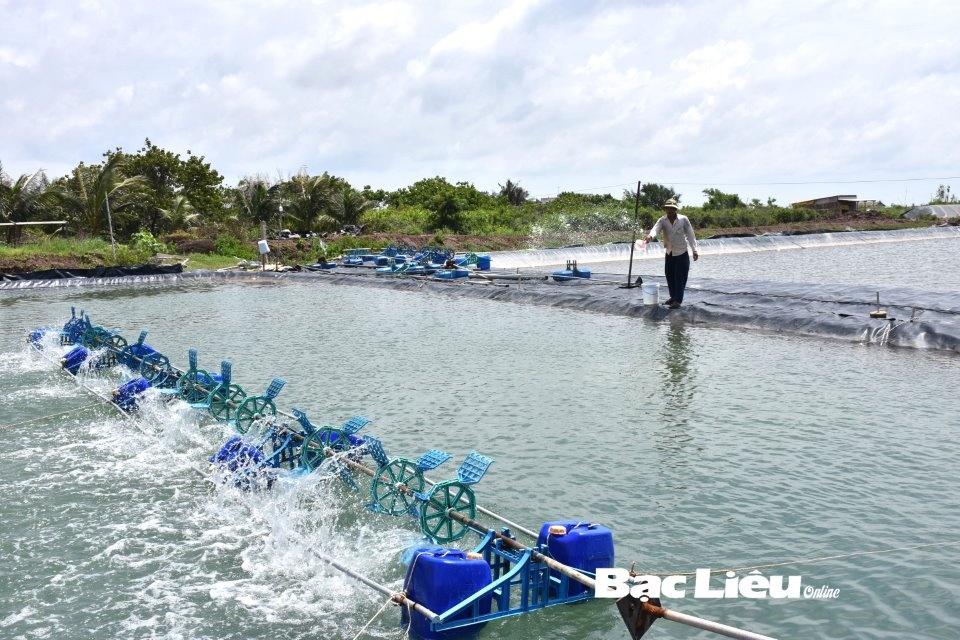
[749,97]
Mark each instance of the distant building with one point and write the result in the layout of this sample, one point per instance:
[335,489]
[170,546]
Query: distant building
[866,205]
[831,204]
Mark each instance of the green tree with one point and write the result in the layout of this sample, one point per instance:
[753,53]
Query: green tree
[432,193]
[943,195]
[717,200]
[166,177]
[93,194]
[349,205]
[26,199]
[513,193]
[652,195]
[158,169]
[256,199]
[377,196]
[448,213]
[445,202]
[202,186]
[310,201]
[181,213]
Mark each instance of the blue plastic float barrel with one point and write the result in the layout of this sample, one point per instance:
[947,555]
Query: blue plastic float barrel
[125,396]
[451,274]
[74,359]
[236,454]
[583,546]
[439,578]
[247,464]
[356,441]
[565,275]
[135,353]
[483,263]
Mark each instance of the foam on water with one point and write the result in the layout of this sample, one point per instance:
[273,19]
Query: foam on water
[166,539]
[619,252]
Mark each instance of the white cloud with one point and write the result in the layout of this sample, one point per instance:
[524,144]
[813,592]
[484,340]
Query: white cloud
[560,96]
[11,56]
[713,67]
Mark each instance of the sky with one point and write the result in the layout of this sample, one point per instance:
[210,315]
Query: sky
[765,99]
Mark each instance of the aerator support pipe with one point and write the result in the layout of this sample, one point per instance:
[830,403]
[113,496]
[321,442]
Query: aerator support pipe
[590,583]
[700,623]
[573,574]
[399,598]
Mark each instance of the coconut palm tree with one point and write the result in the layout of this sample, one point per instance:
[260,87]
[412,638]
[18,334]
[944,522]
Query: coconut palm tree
[94,194]
[23,200]
[349,205]
[514,193]
[181,214]
[257,199]
[311,200]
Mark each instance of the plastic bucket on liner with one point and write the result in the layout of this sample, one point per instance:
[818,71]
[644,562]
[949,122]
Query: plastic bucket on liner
[651,292]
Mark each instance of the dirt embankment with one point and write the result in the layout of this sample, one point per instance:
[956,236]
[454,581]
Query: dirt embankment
[42,262]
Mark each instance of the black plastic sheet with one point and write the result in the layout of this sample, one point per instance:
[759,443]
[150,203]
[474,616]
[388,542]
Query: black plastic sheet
[97,272]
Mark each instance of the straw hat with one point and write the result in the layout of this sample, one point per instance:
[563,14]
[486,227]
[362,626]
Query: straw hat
[670,204]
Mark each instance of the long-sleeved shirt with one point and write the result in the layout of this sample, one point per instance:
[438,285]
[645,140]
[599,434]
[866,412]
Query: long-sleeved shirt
[676,235]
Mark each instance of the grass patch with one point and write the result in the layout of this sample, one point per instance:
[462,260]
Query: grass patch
[208,261]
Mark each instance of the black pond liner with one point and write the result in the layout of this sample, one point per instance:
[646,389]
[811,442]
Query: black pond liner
[97,272]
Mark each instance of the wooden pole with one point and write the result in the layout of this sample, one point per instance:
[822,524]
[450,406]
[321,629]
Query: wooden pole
[263,236]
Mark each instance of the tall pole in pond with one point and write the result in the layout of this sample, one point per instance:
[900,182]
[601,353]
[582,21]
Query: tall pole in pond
[263,243]
[633,243]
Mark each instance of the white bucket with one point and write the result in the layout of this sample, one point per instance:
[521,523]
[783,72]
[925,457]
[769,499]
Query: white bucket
[263,247]
[651,292]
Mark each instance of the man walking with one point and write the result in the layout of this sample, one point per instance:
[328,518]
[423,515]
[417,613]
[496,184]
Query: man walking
[677,236]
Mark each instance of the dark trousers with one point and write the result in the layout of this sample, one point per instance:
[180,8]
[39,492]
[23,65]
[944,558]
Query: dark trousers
[676,269]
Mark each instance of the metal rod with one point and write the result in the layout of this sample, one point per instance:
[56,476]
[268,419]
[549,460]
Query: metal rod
[700,623]
[570,572]
[590,583]
[636,221]
[27,224]
[512,525]
[396,596]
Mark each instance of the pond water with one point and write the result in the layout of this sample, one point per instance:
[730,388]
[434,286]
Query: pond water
[700,447]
